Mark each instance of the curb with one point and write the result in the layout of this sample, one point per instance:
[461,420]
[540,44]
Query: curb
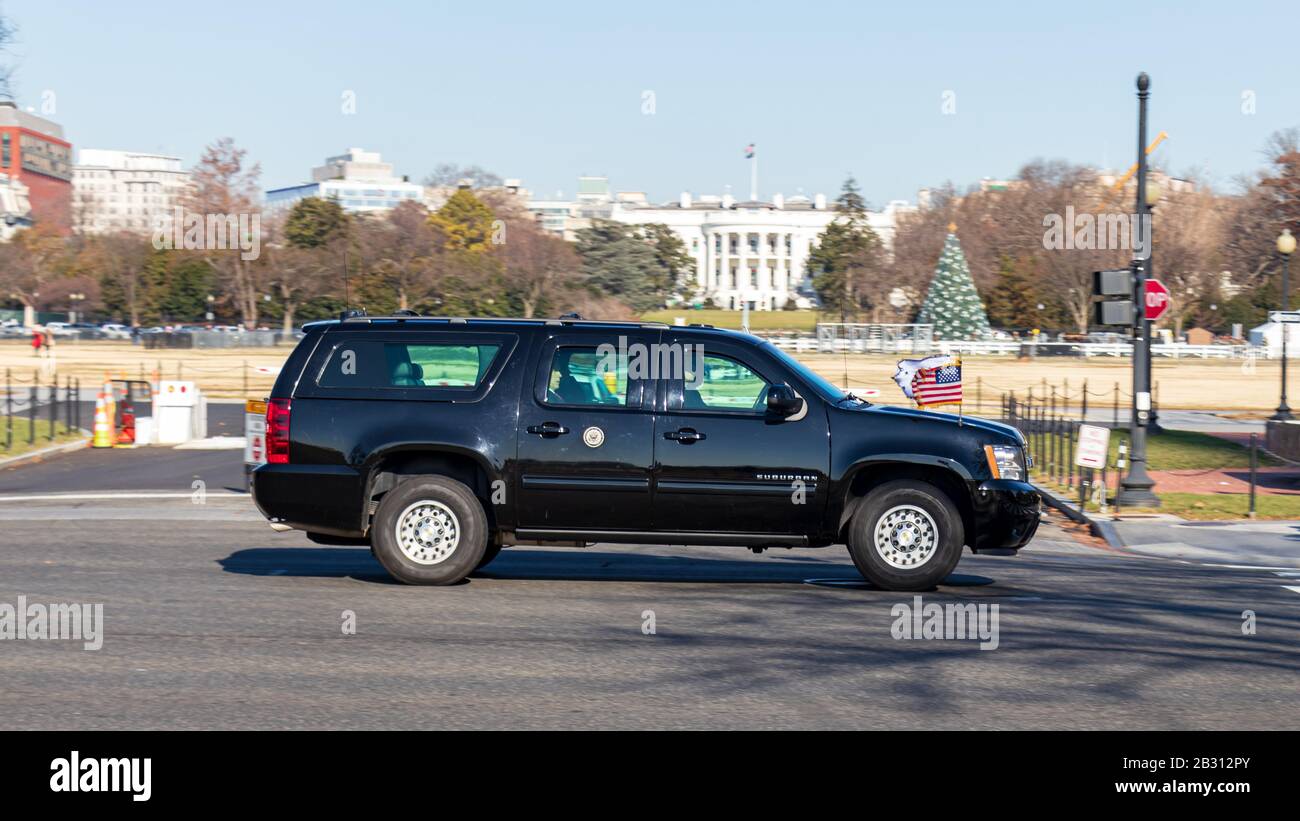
[1100,528]
[14,461]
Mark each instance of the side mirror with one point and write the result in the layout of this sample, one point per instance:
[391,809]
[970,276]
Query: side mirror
[783,401]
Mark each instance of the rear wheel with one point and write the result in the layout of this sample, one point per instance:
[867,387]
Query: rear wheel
[430,530]
[907,535]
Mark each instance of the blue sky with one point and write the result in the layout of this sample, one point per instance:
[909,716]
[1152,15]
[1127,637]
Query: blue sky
[548,91]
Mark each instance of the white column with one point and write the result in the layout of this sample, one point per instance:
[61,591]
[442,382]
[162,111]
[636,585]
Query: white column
[763,283]
[724,275]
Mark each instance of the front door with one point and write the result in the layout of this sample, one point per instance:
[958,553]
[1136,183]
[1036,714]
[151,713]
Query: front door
[726,465]
[585,439]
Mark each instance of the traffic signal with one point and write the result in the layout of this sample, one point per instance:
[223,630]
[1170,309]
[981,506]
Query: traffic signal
[1112,284]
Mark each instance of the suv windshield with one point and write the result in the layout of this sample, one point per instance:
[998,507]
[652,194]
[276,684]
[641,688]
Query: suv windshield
[818,383]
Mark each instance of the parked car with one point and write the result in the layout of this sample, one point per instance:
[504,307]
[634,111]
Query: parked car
[112,330]
[440,441]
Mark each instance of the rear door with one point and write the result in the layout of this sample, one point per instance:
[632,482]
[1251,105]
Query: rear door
[585,435]
[724,464]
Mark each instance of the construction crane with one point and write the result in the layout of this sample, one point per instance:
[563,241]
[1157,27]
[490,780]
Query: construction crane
[1132,169]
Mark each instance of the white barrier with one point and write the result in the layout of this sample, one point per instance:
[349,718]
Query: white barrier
[811,343]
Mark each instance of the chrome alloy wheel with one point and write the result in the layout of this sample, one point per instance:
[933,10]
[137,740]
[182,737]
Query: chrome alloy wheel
[427,532]
[906,537]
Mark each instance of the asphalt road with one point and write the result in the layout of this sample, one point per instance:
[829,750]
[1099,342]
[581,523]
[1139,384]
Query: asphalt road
[214,621]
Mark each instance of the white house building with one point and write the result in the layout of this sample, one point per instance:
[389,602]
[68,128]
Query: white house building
[124,190]
[753,252]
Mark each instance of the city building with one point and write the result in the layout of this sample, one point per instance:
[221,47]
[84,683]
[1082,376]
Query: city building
[510,194]
[360,181]
[124,190]
[32,150]
[15,207]
[746,252]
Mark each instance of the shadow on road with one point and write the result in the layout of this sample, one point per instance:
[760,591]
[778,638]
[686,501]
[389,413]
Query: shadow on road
[571,565]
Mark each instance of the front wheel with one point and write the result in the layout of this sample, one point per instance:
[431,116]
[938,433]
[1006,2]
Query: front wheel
[907,535]
[430,530]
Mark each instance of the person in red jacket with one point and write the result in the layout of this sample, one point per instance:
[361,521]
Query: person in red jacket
[37,338]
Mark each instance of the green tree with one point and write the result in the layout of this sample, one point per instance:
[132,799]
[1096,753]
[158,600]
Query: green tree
[466,223]
[847,257]
[314,222]
[675,263]
[619,262]
[1013,302]
[953,305]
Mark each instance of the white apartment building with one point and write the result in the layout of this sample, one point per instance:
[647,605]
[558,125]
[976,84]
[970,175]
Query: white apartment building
[359,180]
[15,207]
[753,252]
[124,190]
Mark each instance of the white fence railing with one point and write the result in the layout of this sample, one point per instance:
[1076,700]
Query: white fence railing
[814,343]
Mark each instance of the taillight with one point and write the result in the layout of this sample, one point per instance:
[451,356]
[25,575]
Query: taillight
[277,431]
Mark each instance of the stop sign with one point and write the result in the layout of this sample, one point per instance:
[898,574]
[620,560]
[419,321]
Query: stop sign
[1156,301]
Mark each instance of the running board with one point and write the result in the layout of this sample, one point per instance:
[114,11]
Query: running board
[706,538]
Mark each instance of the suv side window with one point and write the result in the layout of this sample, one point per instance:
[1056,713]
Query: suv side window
[376,364]
[580,376]
[726,384]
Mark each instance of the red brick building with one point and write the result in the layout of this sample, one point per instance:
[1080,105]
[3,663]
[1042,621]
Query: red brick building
[32,149]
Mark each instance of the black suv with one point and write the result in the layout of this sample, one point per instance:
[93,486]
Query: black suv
[438,441]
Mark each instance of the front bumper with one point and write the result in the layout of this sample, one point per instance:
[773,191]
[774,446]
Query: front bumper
[1006,514]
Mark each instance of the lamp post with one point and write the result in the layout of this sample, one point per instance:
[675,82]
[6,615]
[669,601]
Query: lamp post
[1285,247]
[74,300]
[1135,488]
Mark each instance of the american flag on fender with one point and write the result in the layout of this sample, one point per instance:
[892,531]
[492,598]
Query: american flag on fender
[938,386]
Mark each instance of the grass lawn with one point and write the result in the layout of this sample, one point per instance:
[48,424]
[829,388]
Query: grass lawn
[1183,450]
[21,430]
[758,320]
[1229,506]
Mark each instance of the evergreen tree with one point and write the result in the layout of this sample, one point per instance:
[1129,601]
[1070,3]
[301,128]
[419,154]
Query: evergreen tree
[313,222]
[847,253]
[1013,302]
[953,305]
[619,262]
[466,222]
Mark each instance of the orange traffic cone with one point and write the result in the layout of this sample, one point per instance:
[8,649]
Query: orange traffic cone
[103,428]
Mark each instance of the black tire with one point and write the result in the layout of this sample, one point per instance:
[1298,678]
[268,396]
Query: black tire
[492,550]
[902,499]
[443,495]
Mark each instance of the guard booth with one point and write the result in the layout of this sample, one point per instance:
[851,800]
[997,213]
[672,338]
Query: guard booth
[132,399]
[181,413]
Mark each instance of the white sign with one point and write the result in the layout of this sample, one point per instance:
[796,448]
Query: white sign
[1094,444]
[1284,316]
[254,432]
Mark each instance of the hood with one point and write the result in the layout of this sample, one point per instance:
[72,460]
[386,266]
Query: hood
[935,417]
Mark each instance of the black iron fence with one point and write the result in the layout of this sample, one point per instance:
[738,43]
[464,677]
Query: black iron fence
[50,404]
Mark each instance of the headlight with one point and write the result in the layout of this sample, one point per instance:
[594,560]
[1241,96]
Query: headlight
[1005,461]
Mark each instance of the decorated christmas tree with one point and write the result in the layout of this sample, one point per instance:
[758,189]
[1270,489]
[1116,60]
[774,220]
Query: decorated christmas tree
[953,305]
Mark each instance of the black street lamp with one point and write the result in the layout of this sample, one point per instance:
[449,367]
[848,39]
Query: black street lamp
[1135,488]
[1285,247]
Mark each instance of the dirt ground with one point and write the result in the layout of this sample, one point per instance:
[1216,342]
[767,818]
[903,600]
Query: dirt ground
[239,372]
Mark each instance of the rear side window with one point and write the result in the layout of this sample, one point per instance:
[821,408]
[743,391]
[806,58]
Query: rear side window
[579,376]
[381,364]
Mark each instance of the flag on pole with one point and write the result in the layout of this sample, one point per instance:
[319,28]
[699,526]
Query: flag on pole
[749,151]
[935,380]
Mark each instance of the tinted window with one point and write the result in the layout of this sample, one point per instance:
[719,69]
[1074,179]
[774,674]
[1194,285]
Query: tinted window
[363,364]
[725,385]
[579,377]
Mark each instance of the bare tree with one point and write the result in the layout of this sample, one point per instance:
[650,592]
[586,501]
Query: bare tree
[223,188]
[536,264]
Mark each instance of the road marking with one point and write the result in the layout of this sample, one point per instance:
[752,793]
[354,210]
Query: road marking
[60,497]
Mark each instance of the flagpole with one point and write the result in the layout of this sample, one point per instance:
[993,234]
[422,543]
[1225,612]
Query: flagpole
[753,175]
